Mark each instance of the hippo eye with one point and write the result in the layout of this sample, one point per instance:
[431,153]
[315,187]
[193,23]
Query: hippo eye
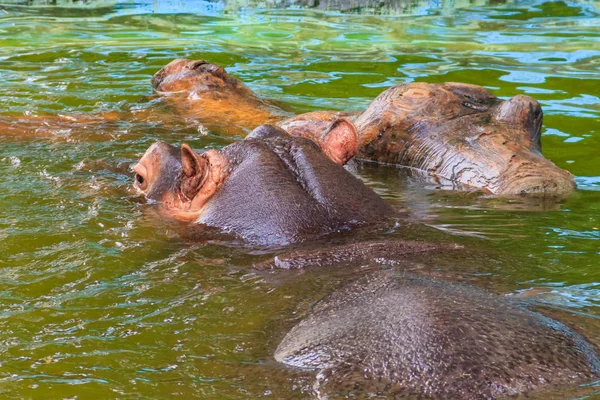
[196,64]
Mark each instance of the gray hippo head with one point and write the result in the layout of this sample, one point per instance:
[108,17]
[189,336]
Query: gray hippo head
[271,188]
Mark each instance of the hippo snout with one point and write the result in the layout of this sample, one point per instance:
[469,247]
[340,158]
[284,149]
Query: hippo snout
[550,181]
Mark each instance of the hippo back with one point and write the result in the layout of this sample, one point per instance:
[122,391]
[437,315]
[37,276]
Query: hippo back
[412,336]
[283,189]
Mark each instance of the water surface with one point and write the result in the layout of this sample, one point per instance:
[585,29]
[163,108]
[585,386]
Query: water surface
[99,297]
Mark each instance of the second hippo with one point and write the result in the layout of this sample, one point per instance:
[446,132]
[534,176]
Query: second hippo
[456,135]
[269,189]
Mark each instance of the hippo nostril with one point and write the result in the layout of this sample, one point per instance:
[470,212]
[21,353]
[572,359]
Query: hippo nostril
[547,183]
[139,179]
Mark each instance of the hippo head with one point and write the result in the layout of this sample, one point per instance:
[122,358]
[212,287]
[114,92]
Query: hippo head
[462,136]
[203,92]
[270,188]
[182,75]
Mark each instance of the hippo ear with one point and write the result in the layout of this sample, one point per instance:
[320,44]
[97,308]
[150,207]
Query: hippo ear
[526,112]
[341,141]
[195,169]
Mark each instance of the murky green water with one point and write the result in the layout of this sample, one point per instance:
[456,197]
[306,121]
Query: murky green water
[100,298]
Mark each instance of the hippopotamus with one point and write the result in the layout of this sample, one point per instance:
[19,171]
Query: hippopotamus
[270,188]
[457,135]
[395,334]
[205,92]
[195,92]
[386,333]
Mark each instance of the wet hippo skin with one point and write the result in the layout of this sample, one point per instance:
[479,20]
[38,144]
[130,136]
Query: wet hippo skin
[206,92]
[457,135]
[464,135]
[396,335]
[271,188]
[194,92]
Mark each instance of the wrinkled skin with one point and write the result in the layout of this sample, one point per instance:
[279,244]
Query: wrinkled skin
[269,189]
[464,135]
[458,135]
[394,335]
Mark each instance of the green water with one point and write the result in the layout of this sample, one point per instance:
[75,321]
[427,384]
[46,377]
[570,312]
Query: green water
[99,298]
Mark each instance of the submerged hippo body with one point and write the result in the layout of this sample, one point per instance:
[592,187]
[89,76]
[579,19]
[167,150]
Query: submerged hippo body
[199,90]
[458,135]
[401,335]
[270,188]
